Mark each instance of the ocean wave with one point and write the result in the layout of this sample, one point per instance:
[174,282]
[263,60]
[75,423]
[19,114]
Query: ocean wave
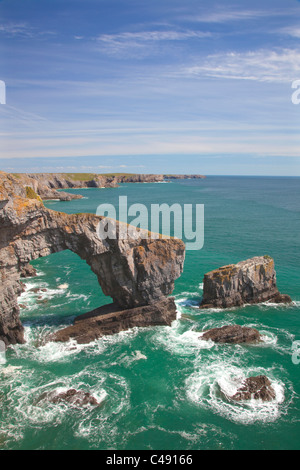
[185,302]
[128,360]
[277,306]
[179,342]
[41,349]
[27,408]
[29,297]
[210,388]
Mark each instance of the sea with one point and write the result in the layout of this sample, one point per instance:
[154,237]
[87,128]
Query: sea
[163,388]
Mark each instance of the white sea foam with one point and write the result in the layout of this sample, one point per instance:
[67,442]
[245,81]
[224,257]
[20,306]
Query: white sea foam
[185,302]
[29,297]
[27,391]
[278,306]
[9,370]
[40,273]
[128,360]
[63,286]
[211,388]
[138,355]
[184,343]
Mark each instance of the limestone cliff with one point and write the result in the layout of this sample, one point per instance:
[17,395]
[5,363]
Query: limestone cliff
[247,282]
[134,272]
[46,185]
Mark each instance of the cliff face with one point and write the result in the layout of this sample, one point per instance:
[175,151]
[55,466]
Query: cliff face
[184,177]
[134,272]
[250,281]
[47,184]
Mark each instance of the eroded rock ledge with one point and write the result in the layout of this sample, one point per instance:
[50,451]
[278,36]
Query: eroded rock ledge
[109,320]
[248,282]
[135,272]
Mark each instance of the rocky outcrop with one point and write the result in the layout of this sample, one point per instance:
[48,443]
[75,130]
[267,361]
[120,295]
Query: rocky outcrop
[73,397]
[136,271]
[109,320]
[248,282]
[257,388]
[232,334]
[46,185]
[28,271]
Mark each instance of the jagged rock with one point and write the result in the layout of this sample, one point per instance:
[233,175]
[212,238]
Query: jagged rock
[109,319]
[46,185]
[72,396]
[281,299]
[28,271]
[258,388]
[248,282]
[135,271]
[233,334]
[36,290]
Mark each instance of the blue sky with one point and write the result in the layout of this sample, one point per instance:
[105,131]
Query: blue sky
[150,86]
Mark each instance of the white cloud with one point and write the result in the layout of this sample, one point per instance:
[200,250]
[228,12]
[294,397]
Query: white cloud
[293,31]
[262,65]
[139,41]
[227,16]
[22,30]
[230,15]
[16,29]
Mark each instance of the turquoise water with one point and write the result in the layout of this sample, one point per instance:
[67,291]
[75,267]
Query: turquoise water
[159,388]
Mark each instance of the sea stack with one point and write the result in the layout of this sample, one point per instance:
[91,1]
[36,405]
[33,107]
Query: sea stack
[247,282]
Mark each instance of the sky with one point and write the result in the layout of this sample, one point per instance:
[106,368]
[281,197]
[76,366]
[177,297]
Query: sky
[160,86]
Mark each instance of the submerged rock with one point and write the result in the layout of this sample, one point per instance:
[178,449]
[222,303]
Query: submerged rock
[72,396]
[257,388]
[233,334]
[248,282]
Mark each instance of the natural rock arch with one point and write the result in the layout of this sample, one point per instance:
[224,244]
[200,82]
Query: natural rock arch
[134,272]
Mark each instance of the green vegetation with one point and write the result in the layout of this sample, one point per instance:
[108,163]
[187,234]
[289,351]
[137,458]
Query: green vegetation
[110,175]
[90,176]
[79,176]
[267,257]
[31,194]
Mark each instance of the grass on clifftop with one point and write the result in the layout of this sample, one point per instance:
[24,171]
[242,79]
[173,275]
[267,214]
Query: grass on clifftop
[90,176]
[31,194]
